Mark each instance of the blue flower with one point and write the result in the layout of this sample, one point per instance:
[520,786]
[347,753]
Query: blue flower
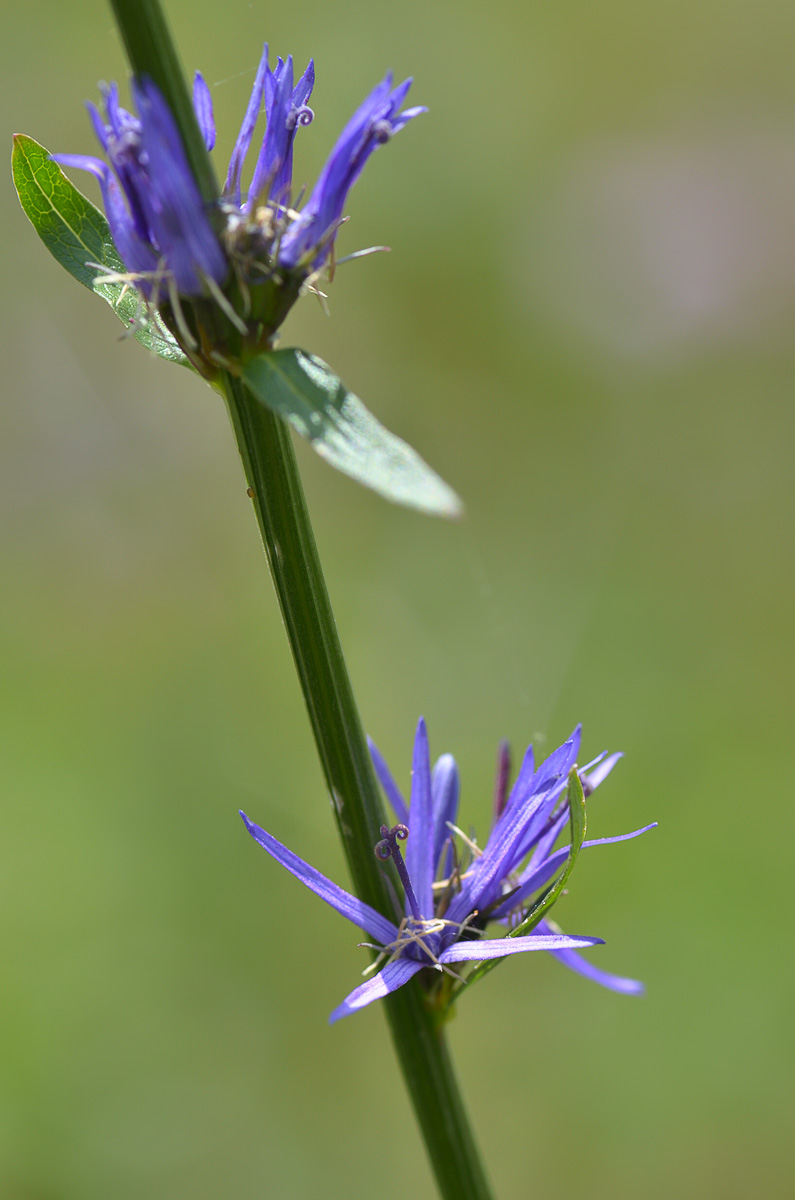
[155,211]
[286,109]
[452,887]
[307,239]
[293,241]
[252,255]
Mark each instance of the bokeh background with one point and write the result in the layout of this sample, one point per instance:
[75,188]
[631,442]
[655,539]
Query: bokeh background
[585,325]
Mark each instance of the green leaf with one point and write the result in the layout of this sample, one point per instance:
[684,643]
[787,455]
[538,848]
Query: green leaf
[306,392]
[77,234]
[577,823]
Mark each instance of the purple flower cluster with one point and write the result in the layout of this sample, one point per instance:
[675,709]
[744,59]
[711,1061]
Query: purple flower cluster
[164,232]
[453,889]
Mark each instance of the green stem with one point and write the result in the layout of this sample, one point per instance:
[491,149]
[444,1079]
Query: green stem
[272,473]
[278,499]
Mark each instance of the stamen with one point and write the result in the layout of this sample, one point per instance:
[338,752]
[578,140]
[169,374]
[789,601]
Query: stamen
[361,254]
[245,291]
[327,239]
[388,848]
[224,305]
[413,932]
[321,298]
[158,331]
[456,878]
[473,846]
[179,315]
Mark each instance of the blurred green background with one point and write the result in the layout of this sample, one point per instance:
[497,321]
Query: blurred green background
[585,325]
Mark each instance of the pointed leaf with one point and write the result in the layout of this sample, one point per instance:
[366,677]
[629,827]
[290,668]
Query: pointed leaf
[577,824]
[306,392]
[77,234]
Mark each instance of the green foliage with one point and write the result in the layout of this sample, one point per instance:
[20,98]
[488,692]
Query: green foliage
[78,236]
[306,392]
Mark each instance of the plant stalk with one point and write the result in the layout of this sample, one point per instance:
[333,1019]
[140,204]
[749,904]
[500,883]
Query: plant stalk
[280,507]
[279,504]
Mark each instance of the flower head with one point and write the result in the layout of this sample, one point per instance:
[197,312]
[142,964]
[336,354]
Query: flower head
[452,888]
[250,255]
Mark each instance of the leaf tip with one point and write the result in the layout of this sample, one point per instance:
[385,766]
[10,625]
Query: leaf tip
[455,510]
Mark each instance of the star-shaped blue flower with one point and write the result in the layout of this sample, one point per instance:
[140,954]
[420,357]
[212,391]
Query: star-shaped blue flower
[452,887]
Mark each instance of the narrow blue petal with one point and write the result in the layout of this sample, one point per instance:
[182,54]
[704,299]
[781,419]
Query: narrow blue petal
[589,765]
[399,94]
[314,230]
[606,841]
[601,771]
[278,137]
[547,782]
[174,206]
[501,947]
[542,845]
[363,145]
[512,836]
[616,983]
[408,114]
[303,89]
[100,128]
[203,105]
[119,118]
[445,791]
[522,782]
[83,162]
[535,878]
[419,847]
[299,114]
[391,789]
[549,785]
[393,976]
[232,185]
[541,836]
[621,837]
[137,255]
[559,763]
[346,905]
[286,110]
